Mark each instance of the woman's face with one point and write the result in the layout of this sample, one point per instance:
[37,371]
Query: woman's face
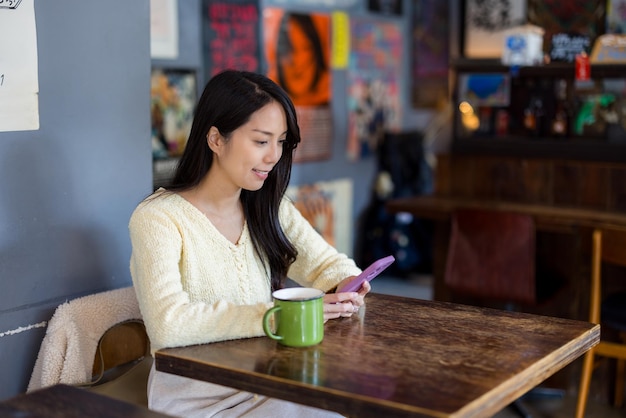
[246,158]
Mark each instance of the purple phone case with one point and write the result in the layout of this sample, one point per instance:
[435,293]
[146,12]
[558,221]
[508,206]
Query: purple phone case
[369,273]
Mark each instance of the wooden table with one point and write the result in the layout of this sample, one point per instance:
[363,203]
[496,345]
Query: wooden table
[399,357]
[546,217]
[65,401]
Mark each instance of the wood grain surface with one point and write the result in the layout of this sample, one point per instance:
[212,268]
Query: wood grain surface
[399,357]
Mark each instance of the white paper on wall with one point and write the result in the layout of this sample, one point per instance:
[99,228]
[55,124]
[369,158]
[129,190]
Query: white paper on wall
[19,83]
[164,29]
[486,23]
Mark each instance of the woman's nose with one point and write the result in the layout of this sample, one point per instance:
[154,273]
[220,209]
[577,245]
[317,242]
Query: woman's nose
[274,152]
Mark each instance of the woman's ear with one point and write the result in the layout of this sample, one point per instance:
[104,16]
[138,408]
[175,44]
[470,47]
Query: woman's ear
[214,139]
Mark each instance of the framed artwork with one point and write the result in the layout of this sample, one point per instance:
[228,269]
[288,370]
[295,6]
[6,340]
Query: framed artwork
[616,16]
[485,89]
[374,84]
[574,17]
[327,205]
[230,31]
[486,22]
[430,51]
[173,98]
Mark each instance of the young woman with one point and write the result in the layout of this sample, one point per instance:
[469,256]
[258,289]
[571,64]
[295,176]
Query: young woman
[208,251]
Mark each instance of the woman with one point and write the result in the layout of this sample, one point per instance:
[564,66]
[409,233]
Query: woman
[208,251]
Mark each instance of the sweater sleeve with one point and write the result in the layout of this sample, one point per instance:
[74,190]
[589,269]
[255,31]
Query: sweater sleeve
[318,263]
[172,318]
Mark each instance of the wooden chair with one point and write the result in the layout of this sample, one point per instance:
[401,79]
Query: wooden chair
[97,342]
[122,363]
[608,246]
[491,257]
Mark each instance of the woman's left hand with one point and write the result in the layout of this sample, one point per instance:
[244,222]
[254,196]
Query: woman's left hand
[344,304]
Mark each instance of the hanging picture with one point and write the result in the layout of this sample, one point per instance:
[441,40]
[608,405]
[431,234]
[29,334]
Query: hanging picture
[486,22]
[616,16]
[230,35]
[327,205]
[173,98]
[297,52]
[373,84]
[584,18]
[430,53]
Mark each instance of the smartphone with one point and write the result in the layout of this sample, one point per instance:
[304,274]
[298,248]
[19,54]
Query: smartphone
[369,273]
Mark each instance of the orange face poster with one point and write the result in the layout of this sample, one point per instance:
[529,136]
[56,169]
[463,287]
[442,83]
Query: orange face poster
[298,54]
[297,47]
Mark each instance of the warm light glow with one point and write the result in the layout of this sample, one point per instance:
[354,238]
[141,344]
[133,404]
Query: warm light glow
[470,121]
[466,108]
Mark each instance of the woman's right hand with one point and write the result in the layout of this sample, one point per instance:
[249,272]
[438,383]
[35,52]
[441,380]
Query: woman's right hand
[344,304]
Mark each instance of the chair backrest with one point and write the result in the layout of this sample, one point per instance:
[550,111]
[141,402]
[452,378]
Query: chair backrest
[122,344]
[491,255]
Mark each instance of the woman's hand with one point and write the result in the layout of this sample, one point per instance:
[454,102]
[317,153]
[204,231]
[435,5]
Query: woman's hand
[344,304]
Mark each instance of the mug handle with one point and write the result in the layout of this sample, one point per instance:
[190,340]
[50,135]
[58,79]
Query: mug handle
[266,323]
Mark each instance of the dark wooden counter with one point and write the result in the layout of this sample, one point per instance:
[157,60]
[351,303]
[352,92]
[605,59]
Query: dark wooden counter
[65,401]
[399,357]
[547,217]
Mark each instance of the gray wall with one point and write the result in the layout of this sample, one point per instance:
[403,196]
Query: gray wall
[68,189]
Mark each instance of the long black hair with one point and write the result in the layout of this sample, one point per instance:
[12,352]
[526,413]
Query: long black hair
[227,102]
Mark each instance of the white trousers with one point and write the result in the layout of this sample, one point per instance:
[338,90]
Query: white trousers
[190,398]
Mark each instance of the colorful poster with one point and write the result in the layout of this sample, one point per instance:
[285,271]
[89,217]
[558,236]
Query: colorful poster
[173,98]
[328,208]
[373,84]
[580,17]
[230,32]
[616,16]
[298,53]
[430,53]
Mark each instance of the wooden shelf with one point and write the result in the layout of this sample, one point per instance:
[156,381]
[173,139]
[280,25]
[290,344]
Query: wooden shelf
[556,69]
[585,149]
[571,149]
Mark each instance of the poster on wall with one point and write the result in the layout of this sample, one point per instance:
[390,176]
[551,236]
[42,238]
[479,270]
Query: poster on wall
[19,82]
[230,35]
[486,23]
[616,16]
[297,52]
[328,208]
[164,29]
[172,101]
[373,81]
[576,17]
[430,51]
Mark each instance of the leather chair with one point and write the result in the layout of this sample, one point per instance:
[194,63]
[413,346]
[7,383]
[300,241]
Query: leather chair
[491,257]
[608,247]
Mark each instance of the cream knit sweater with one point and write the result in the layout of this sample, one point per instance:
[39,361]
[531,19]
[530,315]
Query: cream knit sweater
[194,286]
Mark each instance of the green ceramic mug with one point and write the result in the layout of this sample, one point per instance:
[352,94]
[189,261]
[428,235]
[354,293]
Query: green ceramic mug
[299,317]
